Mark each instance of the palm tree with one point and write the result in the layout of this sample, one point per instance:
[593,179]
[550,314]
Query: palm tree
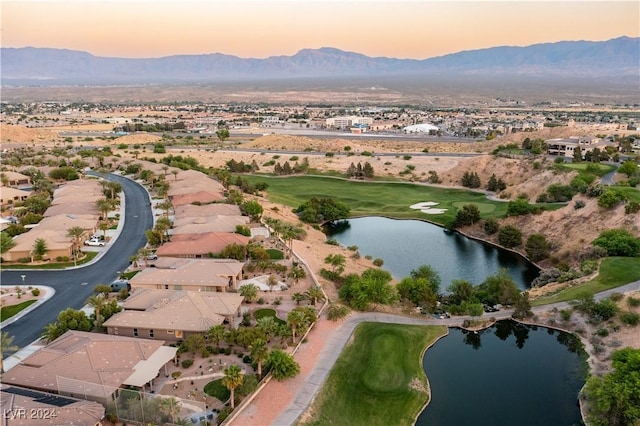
[272,281]
[337,261]
[166,206]
[297,273]
[6,346]
[249,292]
[97,302]
[175,174]
[143,253]
[298,297]
[216,334]
[314,294]
[282,365]
[104,227]
[104,207]
[76,233]
[296,320]
[170,407]
[269,327]
[39,248]
[233,378]
[259,353]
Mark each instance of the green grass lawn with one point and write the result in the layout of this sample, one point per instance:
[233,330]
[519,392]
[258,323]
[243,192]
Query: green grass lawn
[370,384]
[379,198]
[61,265]
[632,194]
[614,272]
[275,254]
[267,312]
[597,169]
[217,390]
[7,312]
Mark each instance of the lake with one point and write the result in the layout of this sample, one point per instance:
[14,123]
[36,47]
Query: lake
[405,245]
[508,374]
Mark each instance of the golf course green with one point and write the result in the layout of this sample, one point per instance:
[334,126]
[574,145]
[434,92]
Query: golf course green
[378,378]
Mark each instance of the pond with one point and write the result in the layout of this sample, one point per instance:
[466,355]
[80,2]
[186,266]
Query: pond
[405,245]
[508,374]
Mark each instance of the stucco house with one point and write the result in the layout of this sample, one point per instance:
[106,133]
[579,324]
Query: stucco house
[200,245]
[26,407]
[173,315]
[171,273]
[92,366]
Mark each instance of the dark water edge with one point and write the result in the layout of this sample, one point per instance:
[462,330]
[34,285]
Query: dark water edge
[507,374]
[407,244]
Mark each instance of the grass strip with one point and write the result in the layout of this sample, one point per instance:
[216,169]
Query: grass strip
[378,378]
[62,265]
[7,312]
[614,272]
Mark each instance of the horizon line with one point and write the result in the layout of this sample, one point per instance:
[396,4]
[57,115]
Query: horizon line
[315,48]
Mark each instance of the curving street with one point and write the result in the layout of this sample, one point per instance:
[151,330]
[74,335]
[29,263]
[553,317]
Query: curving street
[73,286]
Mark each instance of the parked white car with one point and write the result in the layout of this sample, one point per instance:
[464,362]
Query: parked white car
[94,242]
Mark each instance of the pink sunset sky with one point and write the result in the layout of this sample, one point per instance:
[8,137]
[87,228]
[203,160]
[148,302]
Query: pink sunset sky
[401,29]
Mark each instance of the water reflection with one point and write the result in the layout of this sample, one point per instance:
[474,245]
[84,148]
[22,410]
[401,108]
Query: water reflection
[405,245]
[472,338]
[510,373]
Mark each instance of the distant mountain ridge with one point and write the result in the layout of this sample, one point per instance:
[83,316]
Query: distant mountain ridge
[619,57]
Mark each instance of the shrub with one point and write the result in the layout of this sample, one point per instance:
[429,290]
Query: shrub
[491,226]
[176,374]
[565,314]
[378,262]
[35,292]
[578,204]
[632,207]
[509,236]
[630,318]
[332,242]
[186,363]
[633,302]
[618,242]
[546,276]
[602,332]
[336,311]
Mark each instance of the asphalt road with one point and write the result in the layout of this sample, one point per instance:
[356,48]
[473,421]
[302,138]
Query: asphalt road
[73,286]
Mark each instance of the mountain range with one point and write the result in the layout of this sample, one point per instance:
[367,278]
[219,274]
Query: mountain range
[615,58]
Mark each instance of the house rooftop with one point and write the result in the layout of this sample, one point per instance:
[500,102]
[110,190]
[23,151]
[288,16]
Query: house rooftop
[89,364]
[188,272]
[175,310]
[67,411]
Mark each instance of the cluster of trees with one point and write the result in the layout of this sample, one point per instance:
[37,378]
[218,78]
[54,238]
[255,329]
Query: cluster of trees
[287,169]
[536,146]
[467,215]
[65,173]
[151,127]
[71,319]
[496,184]
[618,242]
[614,399]
[321,210]
[465,298]
[241,167]
[470,180]
[359,171]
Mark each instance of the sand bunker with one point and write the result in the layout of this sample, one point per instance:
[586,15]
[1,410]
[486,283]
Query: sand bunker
[425,207]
